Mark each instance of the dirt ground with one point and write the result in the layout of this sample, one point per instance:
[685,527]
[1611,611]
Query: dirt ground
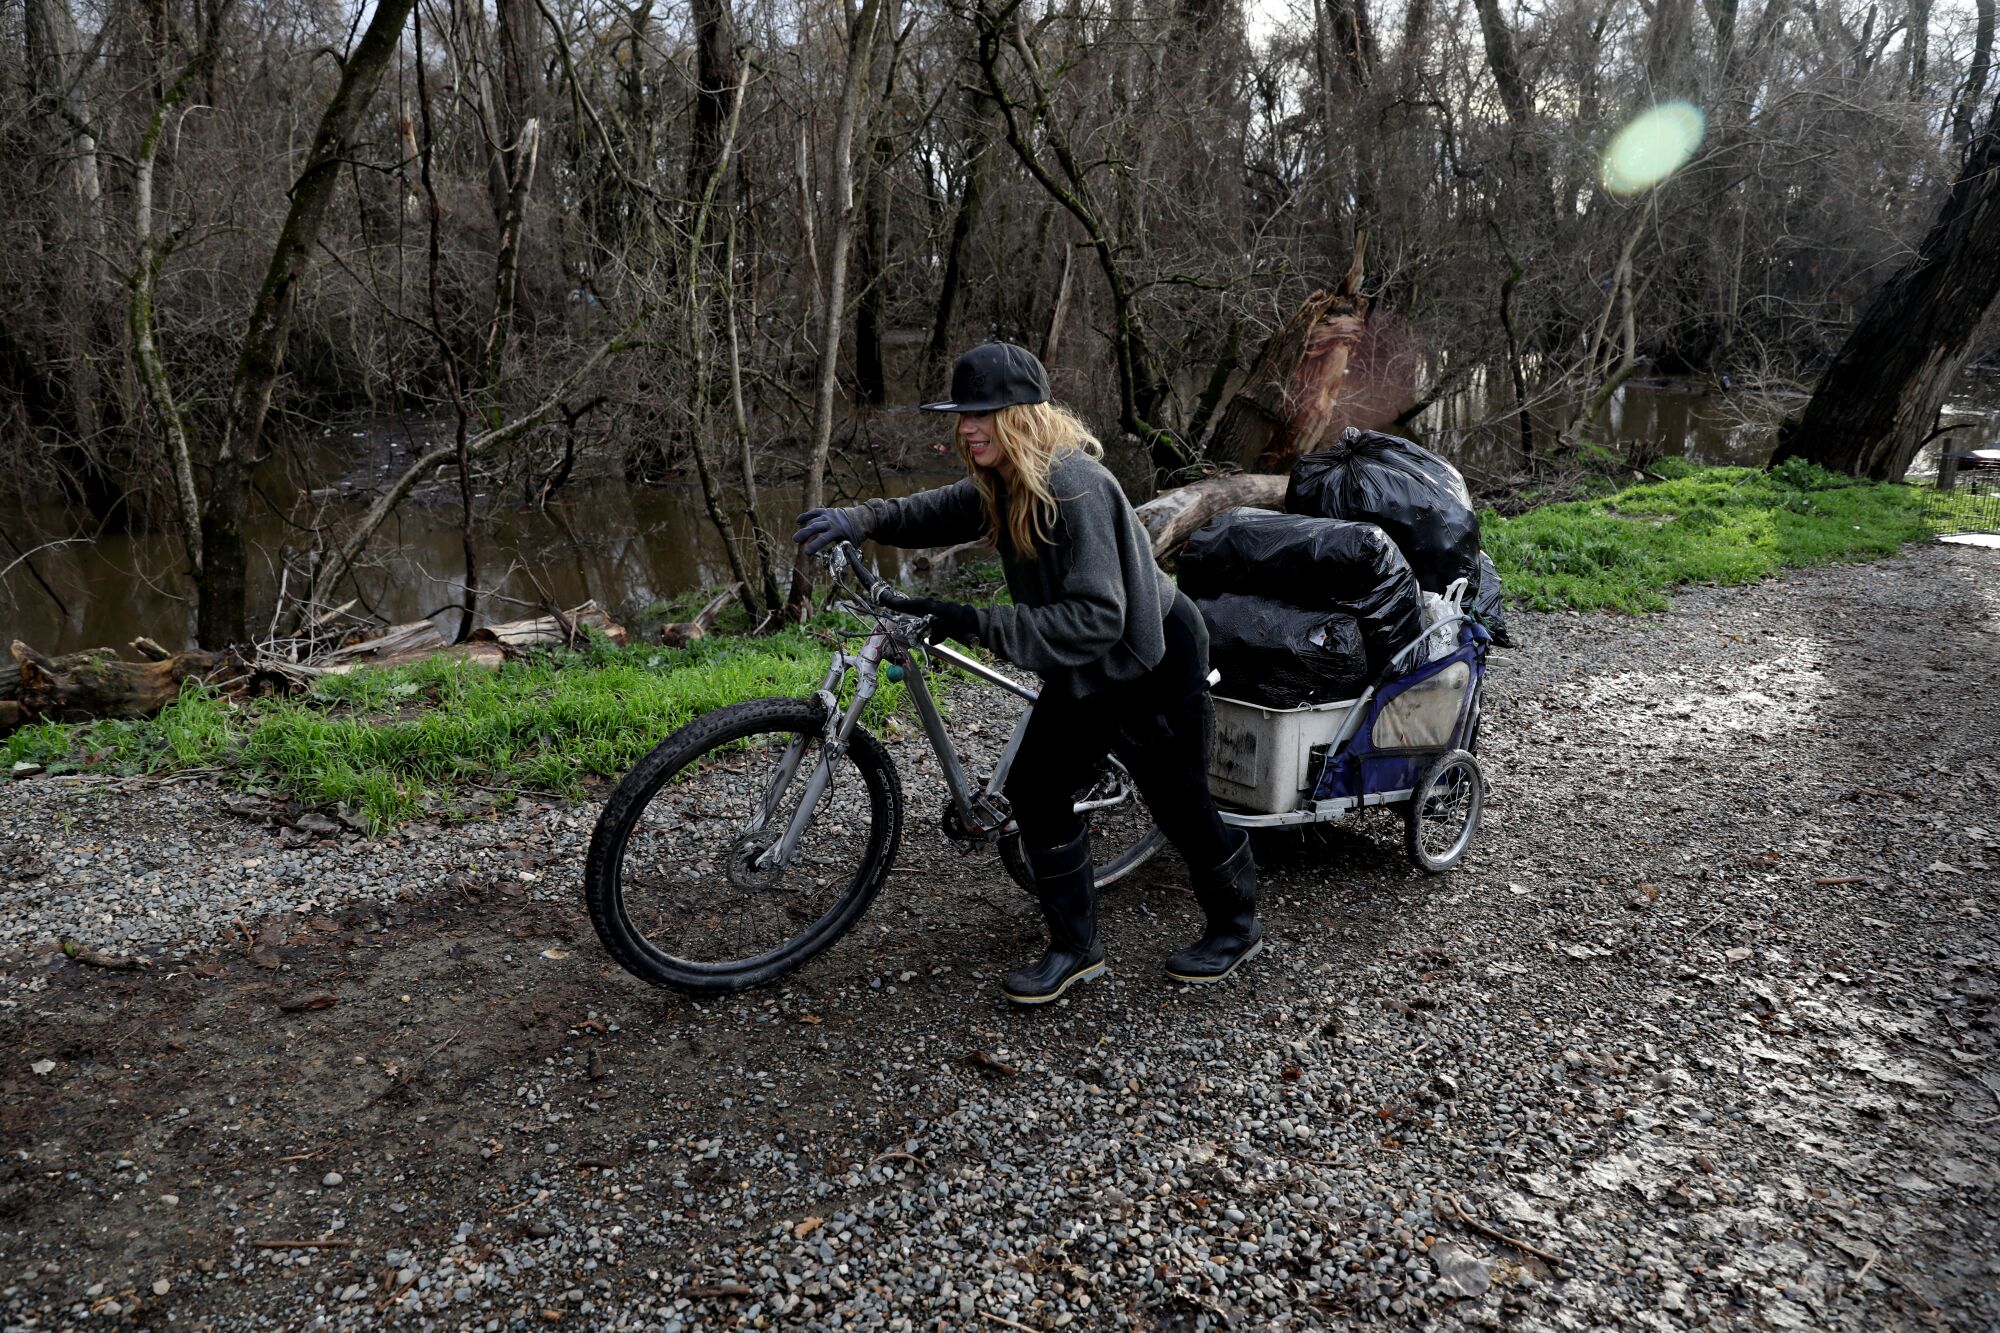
[1701,1035]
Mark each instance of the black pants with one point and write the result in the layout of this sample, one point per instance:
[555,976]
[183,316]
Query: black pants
[1157,725]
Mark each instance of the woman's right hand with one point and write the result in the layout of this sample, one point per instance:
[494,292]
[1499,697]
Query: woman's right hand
[821,528]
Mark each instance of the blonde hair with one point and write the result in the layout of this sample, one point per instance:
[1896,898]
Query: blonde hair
[1031,436]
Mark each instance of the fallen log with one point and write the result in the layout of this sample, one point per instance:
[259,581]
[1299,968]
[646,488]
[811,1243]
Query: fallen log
[565,628]
[396,644]
[489,655]
[1171,517]
[98,683]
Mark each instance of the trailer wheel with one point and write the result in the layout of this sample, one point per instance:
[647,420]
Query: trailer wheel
[1444,811]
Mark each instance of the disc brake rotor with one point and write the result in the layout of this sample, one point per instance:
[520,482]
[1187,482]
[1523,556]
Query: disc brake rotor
[743,870]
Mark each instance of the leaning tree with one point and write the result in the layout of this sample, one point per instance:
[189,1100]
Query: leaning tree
[1878,402]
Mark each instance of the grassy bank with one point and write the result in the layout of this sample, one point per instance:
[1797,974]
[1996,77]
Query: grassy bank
[1627,550]
[392,744]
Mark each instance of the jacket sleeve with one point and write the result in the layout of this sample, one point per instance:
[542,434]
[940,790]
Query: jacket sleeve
[945,516]
[1088,619]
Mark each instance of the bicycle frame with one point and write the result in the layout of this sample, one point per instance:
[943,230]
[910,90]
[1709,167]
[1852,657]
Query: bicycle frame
[982,810]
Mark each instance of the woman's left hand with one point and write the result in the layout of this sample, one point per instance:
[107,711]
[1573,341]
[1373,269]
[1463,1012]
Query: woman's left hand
[949,620]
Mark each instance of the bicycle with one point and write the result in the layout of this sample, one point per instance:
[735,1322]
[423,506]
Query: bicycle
[758,834]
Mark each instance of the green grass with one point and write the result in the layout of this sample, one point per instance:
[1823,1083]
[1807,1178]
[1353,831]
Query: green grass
[1626,551]
[386,743]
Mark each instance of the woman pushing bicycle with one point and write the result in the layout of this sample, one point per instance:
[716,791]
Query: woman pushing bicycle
[1122,654]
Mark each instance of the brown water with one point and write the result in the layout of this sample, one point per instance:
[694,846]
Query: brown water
[629,545]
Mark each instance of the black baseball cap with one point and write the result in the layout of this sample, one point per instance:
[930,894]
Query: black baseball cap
[992,376]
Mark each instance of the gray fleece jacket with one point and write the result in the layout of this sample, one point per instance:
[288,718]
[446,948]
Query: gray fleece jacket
[1088,612]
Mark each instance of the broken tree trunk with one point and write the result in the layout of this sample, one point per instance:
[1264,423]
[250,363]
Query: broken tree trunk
[99,683]
[1292,398]
[1171,517]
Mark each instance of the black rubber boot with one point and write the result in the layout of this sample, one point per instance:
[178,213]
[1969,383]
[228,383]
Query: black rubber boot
[1228,897]
[1064,887]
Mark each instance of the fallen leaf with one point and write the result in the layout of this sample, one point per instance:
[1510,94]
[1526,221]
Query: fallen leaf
[323,1000]
[807,1227]
[985,1061]
[209,970]
[555,953]
[811,1018]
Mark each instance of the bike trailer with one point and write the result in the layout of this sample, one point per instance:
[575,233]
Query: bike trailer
[1407,740]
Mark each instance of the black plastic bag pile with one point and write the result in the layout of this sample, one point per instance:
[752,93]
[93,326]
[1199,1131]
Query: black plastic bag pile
[1300,610]
[1417,498]
[1308,606]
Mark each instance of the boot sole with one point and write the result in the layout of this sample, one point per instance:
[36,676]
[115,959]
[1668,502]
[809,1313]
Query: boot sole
[1089,973]
[1212,978]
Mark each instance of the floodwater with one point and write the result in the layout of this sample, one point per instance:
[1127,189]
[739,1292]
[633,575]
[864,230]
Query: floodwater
[628,545]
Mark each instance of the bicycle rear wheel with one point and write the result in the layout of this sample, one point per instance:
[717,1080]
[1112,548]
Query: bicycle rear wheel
[674,882]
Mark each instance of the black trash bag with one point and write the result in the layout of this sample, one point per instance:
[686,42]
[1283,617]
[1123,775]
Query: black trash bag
[1281,656]
[1486,608]
[1403,488]
[1315,564]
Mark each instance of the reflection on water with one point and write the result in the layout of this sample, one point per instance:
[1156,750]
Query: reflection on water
[627,546]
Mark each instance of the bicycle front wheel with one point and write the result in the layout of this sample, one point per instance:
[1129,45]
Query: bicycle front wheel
[680,880]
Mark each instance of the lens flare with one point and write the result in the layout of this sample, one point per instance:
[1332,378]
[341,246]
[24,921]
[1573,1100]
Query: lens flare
[1654,146]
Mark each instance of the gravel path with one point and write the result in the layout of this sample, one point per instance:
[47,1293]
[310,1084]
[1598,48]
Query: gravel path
[1702,1035]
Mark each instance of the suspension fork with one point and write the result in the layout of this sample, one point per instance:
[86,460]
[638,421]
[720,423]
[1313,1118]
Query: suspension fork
[840,724]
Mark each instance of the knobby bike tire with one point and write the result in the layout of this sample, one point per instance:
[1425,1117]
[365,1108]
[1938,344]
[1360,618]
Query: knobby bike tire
[603,884]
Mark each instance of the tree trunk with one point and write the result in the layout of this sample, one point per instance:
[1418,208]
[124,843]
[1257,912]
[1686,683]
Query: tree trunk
[938,352]
[860,41]
[99,683]
[1876,404]
[220,590]
[1977,71]
[1292,397]
[715,76]
[871,379]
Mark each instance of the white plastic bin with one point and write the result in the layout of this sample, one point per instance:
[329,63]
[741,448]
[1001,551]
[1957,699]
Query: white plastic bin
[1262,759]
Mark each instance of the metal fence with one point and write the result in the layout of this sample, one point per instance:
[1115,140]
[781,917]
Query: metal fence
[1966,500]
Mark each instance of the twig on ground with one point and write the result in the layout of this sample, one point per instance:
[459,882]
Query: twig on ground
[1003,1319]
[300,1244]
[1490,1233]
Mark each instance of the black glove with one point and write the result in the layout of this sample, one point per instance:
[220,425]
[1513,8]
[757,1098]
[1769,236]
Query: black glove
[949,620]
[821,528]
